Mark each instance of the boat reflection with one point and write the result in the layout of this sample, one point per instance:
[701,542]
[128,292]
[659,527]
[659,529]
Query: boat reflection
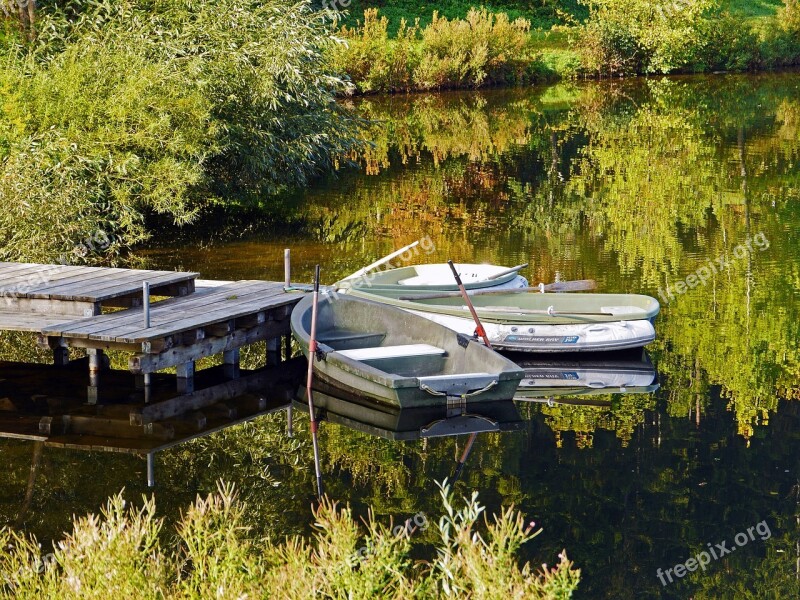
[334,405]
[547,379]
[338,406]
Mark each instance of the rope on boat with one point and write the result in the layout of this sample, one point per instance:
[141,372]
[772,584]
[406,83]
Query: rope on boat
[433,392]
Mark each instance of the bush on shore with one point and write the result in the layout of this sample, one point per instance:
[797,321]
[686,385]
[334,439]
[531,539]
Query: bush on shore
[121,109]
[782,44]
[480,50]
[664,36]
[121,554]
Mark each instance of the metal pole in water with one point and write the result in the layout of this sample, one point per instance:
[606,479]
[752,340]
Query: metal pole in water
[151,470]
[287,267]
[146,310]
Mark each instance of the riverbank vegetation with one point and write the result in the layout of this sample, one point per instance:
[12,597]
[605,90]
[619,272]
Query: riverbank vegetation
[121,553]
[390,52]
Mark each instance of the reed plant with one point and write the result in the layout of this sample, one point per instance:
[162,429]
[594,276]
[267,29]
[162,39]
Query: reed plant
[126,552]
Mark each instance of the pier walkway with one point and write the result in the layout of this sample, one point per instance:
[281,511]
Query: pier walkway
[172,321]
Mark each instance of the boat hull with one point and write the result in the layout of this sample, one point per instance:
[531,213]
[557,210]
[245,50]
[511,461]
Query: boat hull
[347,324]
[549,378]
[540,338]
[546,323]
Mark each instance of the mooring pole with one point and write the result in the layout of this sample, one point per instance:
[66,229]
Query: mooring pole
[312,351]
[287,267]
[146,309]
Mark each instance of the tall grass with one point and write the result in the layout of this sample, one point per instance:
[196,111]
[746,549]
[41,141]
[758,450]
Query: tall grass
[122,553]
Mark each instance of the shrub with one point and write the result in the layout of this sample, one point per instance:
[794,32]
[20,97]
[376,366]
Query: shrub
[727,43]
[121,554]
[482,49]
[789,17]
[373,61]
[782,44]
[638,36]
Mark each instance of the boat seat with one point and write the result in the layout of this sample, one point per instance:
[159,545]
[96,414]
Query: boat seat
[387,352]
[348,335]
[416,280]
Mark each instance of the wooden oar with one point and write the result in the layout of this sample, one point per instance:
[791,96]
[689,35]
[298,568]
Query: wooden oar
[550,311]
[559,286]
[507,271]
[464,455]
[312,350]
[478,327]
[378,263]
[482,333]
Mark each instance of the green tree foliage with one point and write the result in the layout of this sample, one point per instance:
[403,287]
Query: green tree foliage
[138,107]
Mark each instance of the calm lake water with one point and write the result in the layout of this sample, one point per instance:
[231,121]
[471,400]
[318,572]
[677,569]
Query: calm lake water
[683,188]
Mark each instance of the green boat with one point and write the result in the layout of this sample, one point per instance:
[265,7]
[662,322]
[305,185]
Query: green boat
[534,322]
[391,356]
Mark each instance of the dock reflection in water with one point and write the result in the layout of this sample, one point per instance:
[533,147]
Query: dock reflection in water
[50,406]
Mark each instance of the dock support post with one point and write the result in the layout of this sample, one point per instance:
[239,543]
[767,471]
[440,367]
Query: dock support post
[96,364]
[151,469]
[273,351]
[290,421]
[287,267]
[185,374]
[287,347]
[60,356]
[230,359]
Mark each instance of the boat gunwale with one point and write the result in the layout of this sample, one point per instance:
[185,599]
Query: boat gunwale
[511,318]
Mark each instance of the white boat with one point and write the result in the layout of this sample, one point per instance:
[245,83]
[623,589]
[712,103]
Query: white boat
[438,278]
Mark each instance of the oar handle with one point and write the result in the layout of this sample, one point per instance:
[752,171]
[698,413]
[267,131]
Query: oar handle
[455,273]
[316,279]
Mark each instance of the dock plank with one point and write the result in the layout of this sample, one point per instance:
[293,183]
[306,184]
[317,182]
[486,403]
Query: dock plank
[83,284]
[179,315]
[160,313]
[30,322]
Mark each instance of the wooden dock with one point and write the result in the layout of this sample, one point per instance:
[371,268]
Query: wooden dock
[174,322]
